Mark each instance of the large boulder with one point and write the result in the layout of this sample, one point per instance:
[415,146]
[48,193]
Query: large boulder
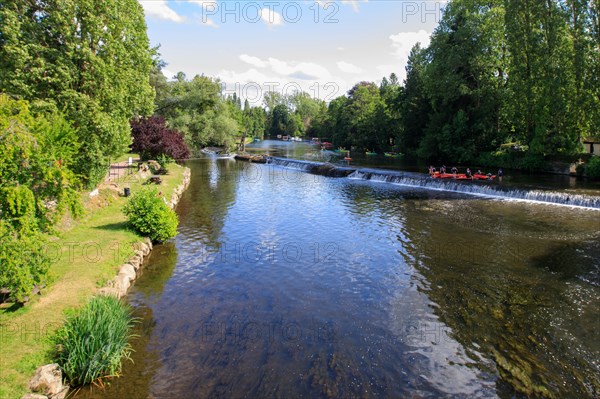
[135,261]
[145,249]
[129,271]
[47,380]
[122,283]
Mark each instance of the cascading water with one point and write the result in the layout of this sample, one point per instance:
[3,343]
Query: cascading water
[423,181]
[477,188]
[318,168]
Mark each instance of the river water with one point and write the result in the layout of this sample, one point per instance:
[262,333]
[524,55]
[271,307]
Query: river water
[285,284]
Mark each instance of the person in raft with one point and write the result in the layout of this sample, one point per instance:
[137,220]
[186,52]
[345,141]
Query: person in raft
[454,170]
[443,169]
[500,174]
[469,173]
[431,170]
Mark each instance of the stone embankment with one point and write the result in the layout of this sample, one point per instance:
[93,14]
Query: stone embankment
[47,383]
[129,271]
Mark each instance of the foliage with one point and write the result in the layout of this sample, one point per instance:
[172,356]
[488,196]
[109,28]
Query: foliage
[592,168]
[153,139]
[37,154]
[500,71]
[254,120]
[93,342]
[196,108]
[95,71]
[24,261]
[150,216]
[281,121]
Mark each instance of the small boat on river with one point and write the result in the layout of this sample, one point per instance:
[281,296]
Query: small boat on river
[462,176]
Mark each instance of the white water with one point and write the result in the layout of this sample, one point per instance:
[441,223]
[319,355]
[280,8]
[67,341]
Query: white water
[487,189]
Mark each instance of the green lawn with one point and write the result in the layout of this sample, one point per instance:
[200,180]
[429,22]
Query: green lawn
[85,257]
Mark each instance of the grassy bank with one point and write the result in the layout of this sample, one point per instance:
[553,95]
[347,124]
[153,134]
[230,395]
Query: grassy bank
[85,256]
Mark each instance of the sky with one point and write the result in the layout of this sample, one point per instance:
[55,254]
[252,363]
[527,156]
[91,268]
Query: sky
[321,47]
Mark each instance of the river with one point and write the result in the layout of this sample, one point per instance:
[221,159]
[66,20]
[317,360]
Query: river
[286,284]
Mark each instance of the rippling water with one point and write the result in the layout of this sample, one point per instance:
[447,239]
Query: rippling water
[285,284]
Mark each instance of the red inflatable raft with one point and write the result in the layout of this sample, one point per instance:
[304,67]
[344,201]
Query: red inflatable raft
[461,176]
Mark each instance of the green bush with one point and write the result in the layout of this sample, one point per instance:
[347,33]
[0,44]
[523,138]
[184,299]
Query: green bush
[150,216]
[93,342]
[593,168]
[38,152]
[24,262]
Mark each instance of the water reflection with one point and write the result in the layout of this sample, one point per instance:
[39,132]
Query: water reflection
[286,284]
[140,372]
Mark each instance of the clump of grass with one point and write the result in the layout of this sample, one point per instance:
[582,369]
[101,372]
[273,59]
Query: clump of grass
[94,341]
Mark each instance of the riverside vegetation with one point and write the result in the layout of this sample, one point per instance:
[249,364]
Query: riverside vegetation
[93,342]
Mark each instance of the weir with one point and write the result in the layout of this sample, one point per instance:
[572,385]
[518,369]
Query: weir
[410,179]
[317,168]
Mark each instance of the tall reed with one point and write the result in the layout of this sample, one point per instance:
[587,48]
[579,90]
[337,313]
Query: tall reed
[94,341]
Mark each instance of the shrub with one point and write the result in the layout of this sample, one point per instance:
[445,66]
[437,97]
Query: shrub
[39,152]
[150,216]
[593,168]
[153,139]
[24,262]
[92,343]
[17,207]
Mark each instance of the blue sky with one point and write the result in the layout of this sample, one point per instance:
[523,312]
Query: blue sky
[321,47]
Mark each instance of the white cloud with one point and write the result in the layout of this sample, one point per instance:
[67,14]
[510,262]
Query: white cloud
[271,17]
[348,68]
[353,3]
[254,61]
[403,42]
[160,9]
[282,76]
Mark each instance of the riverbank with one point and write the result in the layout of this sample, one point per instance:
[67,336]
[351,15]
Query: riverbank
[86,256]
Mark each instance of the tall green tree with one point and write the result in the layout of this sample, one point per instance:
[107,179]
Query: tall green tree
[361,112]
[281,122]
[91,59]
[461,81]
[414,103]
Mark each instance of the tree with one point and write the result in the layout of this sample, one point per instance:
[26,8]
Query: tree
[39,152]
[96,69]
[361,111]
[254,121]
[281,121]
[461,82]
[198,109]
[152,139]
[414,103]
[306,108]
